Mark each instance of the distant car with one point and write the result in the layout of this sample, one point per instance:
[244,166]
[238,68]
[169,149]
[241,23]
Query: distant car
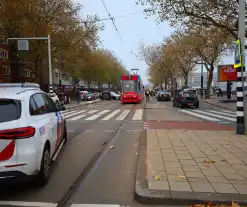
[106,95]
[89,97]
[186,98]
[115,96]
[163,96]
[82,93]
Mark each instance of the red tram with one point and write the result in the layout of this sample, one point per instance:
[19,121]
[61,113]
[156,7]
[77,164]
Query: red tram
[132,89]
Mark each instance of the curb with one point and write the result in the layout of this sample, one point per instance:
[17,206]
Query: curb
[162,197]
[223,107]
[86,103]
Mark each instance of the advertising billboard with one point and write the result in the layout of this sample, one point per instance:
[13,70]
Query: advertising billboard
[227,73]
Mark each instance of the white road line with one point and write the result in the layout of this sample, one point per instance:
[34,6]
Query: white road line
[224,122]
[216,115]
[97,115]
[222,113]
[73,114]
[68,112]
[138,114]
[199,115]
[227,111]
[109,116]
[94,205]
[32,204]
[123,115]
[83,115]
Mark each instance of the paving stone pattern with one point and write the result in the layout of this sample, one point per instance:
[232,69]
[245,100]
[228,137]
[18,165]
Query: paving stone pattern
[197,160]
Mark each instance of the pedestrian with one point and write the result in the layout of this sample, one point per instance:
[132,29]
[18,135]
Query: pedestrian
[78,97]
[147,93]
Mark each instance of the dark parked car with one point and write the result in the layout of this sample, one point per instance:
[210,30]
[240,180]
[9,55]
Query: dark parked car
[186,98]
[88,97]
[163,96]
[105,95]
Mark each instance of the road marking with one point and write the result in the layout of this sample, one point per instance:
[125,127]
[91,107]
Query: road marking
[222,113]
[123,115]
[32,204]
[73,114]
[83,115]
[68,112]
[224,122]
[199,115]
[230,112]
[70,130]
[94,205]
[216,115]
[97,115]
[111,115]
[138,114]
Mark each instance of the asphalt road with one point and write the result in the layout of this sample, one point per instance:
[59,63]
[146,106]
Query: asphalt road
[111,179]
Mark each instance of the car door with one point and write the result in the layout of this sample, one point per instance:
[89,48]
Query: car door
[56,119]
[42,121]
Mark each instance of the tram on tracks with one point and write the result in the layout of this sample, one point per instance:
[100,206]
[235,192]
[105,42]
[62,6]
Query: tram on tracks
[132,90]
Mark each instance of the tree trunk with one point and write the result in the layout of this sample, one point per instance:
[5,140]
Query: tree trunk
[166,83]
[186,74]
[209,83]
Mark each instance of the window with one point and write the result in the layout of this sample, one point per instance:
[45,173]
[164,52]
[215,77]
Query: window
[129,86]
[50,105]
[27,73]
[33,107]
[40,104]
[3,54]
[10,110]
[5,70]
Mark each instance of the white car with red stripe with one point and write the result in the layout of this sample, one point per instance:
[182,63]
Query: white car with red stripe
[32,132]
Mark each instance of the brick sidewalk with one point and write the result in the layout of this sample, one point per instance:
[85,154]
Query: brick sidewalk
[194,165]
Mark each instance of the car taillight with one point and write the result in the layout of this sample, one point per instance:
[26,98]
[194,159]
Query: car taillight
[18,133]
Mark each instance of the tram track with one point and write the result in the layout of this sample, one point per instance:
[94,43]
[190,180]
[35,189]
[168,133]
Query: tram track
[66,199]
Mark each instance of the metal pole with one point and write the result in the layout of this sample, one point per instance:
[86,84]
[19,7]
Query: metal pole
[240,129]
[202,80]
[49,62]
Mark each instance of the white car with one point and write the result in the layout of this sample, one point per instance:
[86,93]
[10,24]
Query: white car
[32,133]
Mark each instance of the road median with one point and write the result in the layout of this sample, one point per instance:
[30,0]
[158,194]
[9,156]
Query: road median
[182,167]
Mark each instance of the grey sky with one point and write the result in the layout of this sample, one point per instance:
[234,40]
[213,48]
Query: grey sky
[132,29]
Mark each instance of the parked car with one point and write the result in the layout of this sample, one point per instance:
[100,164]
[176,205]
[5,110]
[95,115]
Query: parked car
[106,95]
[82,93]
[186,98]
[115,96]
[32,133]
[89,97]
[163,96]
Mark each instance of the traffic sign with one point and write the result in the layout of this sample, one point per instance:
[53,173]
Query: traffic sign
[23,45]
[238,57]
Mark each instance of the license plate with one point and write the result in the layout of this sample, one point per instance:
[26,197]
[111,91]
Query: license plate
[190,104]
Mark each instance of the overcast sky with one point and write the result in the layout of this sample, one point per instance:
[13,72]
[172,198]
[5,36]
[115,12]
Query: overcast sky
[132,30]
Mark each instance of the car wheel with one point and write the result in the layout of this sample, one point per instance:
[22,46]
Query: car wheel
[45,169]
[197,105]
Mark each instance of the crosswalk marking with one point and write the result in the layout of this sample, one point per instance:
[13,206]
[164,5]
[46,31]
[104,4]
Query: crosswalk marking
[40,204]
[123,115]
[109,116]
[75,113]
[222,113]
[200,115]
[216,115]
[68,112]
[97,115]
[229,112]
[83,115]
[138,114]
